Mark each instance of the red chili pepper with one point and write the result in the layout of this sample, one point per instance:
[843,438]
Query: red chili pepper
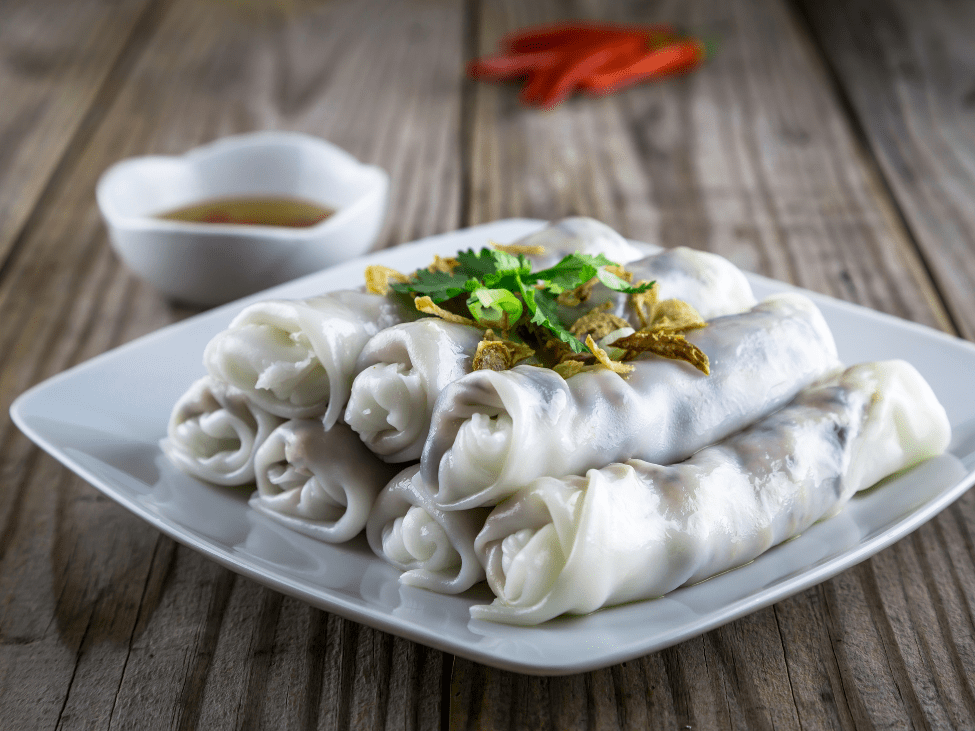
[539,38]
[554,85]
[675,58]
[546,48]
[598,57]
[511,66]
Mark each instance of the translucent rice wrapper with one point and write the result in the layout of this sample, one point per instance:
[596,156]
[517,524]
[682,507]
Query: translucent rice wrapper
[493,432]
[403,369]
[434,548]
[639,530]
[214,431]
[319,482]
[579,234]
[296,358]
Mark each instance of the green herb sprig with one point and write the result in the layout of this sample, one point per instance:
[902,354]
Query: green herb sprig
[502,290]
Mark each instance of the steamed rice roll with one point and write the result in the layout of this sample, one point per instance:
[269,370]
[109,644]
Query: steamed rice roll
[318,482]
[296,358]
[434,548]
[492,431]
[214,431]
[639,530]
[403,369]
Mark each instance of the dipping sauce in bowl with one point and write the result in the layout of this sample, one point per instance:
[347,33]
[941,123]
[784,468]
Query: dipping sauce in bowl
[241,214]
[252,211]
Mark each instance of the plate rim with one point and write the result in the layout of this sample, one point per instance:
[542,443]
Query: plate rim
[816,573]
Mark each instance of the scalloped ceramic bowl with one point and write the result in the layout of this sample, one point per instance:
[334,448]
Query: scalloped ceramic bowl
[207,263]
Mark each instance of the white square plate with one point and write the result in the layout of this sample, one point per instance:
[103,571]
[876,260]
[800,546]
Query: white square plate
[103,419]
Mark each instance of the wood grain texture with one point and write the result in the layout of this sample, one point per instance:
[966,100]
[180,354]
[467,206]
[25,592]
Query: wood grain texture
[55,61]
[107,624]
[907,69]
[751,157]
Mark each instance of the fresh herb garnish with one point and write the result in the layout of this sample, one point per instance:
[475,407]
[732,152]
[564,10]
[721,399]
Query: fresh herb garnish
[503,292]
[499,290]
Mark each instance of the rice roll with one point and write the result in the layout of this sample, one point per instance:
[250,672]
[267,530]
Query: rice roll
[492,432]
[639,530]
[578,234]
[403,369]
[434,548]
[296,358]
[214,431]
[318,482]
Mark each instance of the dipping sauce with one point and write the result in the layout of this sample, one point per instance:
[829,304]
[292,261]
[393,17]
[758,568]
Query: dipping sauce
[252,211]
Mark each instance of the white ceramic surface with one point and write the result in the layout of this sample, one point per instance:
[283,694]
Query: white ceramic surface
[103,419]
[211,264]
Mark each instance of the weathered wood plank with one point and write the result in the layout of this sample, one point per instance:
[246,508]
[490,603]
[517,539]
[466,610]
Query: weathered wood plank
[109,625]
[740,158]
[114,625]
[55,59]
[813,673]
[907,69]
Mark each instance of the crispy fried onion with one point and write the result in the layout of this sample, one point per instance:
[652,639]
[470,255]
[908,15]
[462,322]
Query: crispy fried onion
[665,344]
[671,315]
[676,316]
[496,354]
[620,271]
[378,278]
[428,307]
[605,361]
[597,322]
[662,334]
[444,264]
[643,304]
[595,325]
[515,249]
[568,368]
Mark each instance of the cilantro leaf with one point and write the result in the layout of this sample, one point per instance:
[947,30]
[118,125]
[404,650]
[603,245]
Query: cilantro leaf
[618,284]
[545,312]
[439,286]
[572,271]
[487,262]
[500,287]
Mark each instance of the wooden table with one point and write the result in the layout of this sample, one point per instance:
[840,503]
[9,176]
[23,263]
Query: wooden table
[828,143]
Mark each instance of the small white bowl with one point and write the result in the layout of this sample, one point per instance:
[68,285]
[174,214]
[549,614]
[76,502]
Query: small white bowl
[208,264]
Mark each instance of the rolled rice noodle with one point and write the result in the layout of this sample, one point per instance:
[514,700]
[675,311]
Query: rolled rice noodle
[495,431]
[403,369]
[318,482]
[434,549]
[296,358]
[214,432]
[639,530]
[579,234]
